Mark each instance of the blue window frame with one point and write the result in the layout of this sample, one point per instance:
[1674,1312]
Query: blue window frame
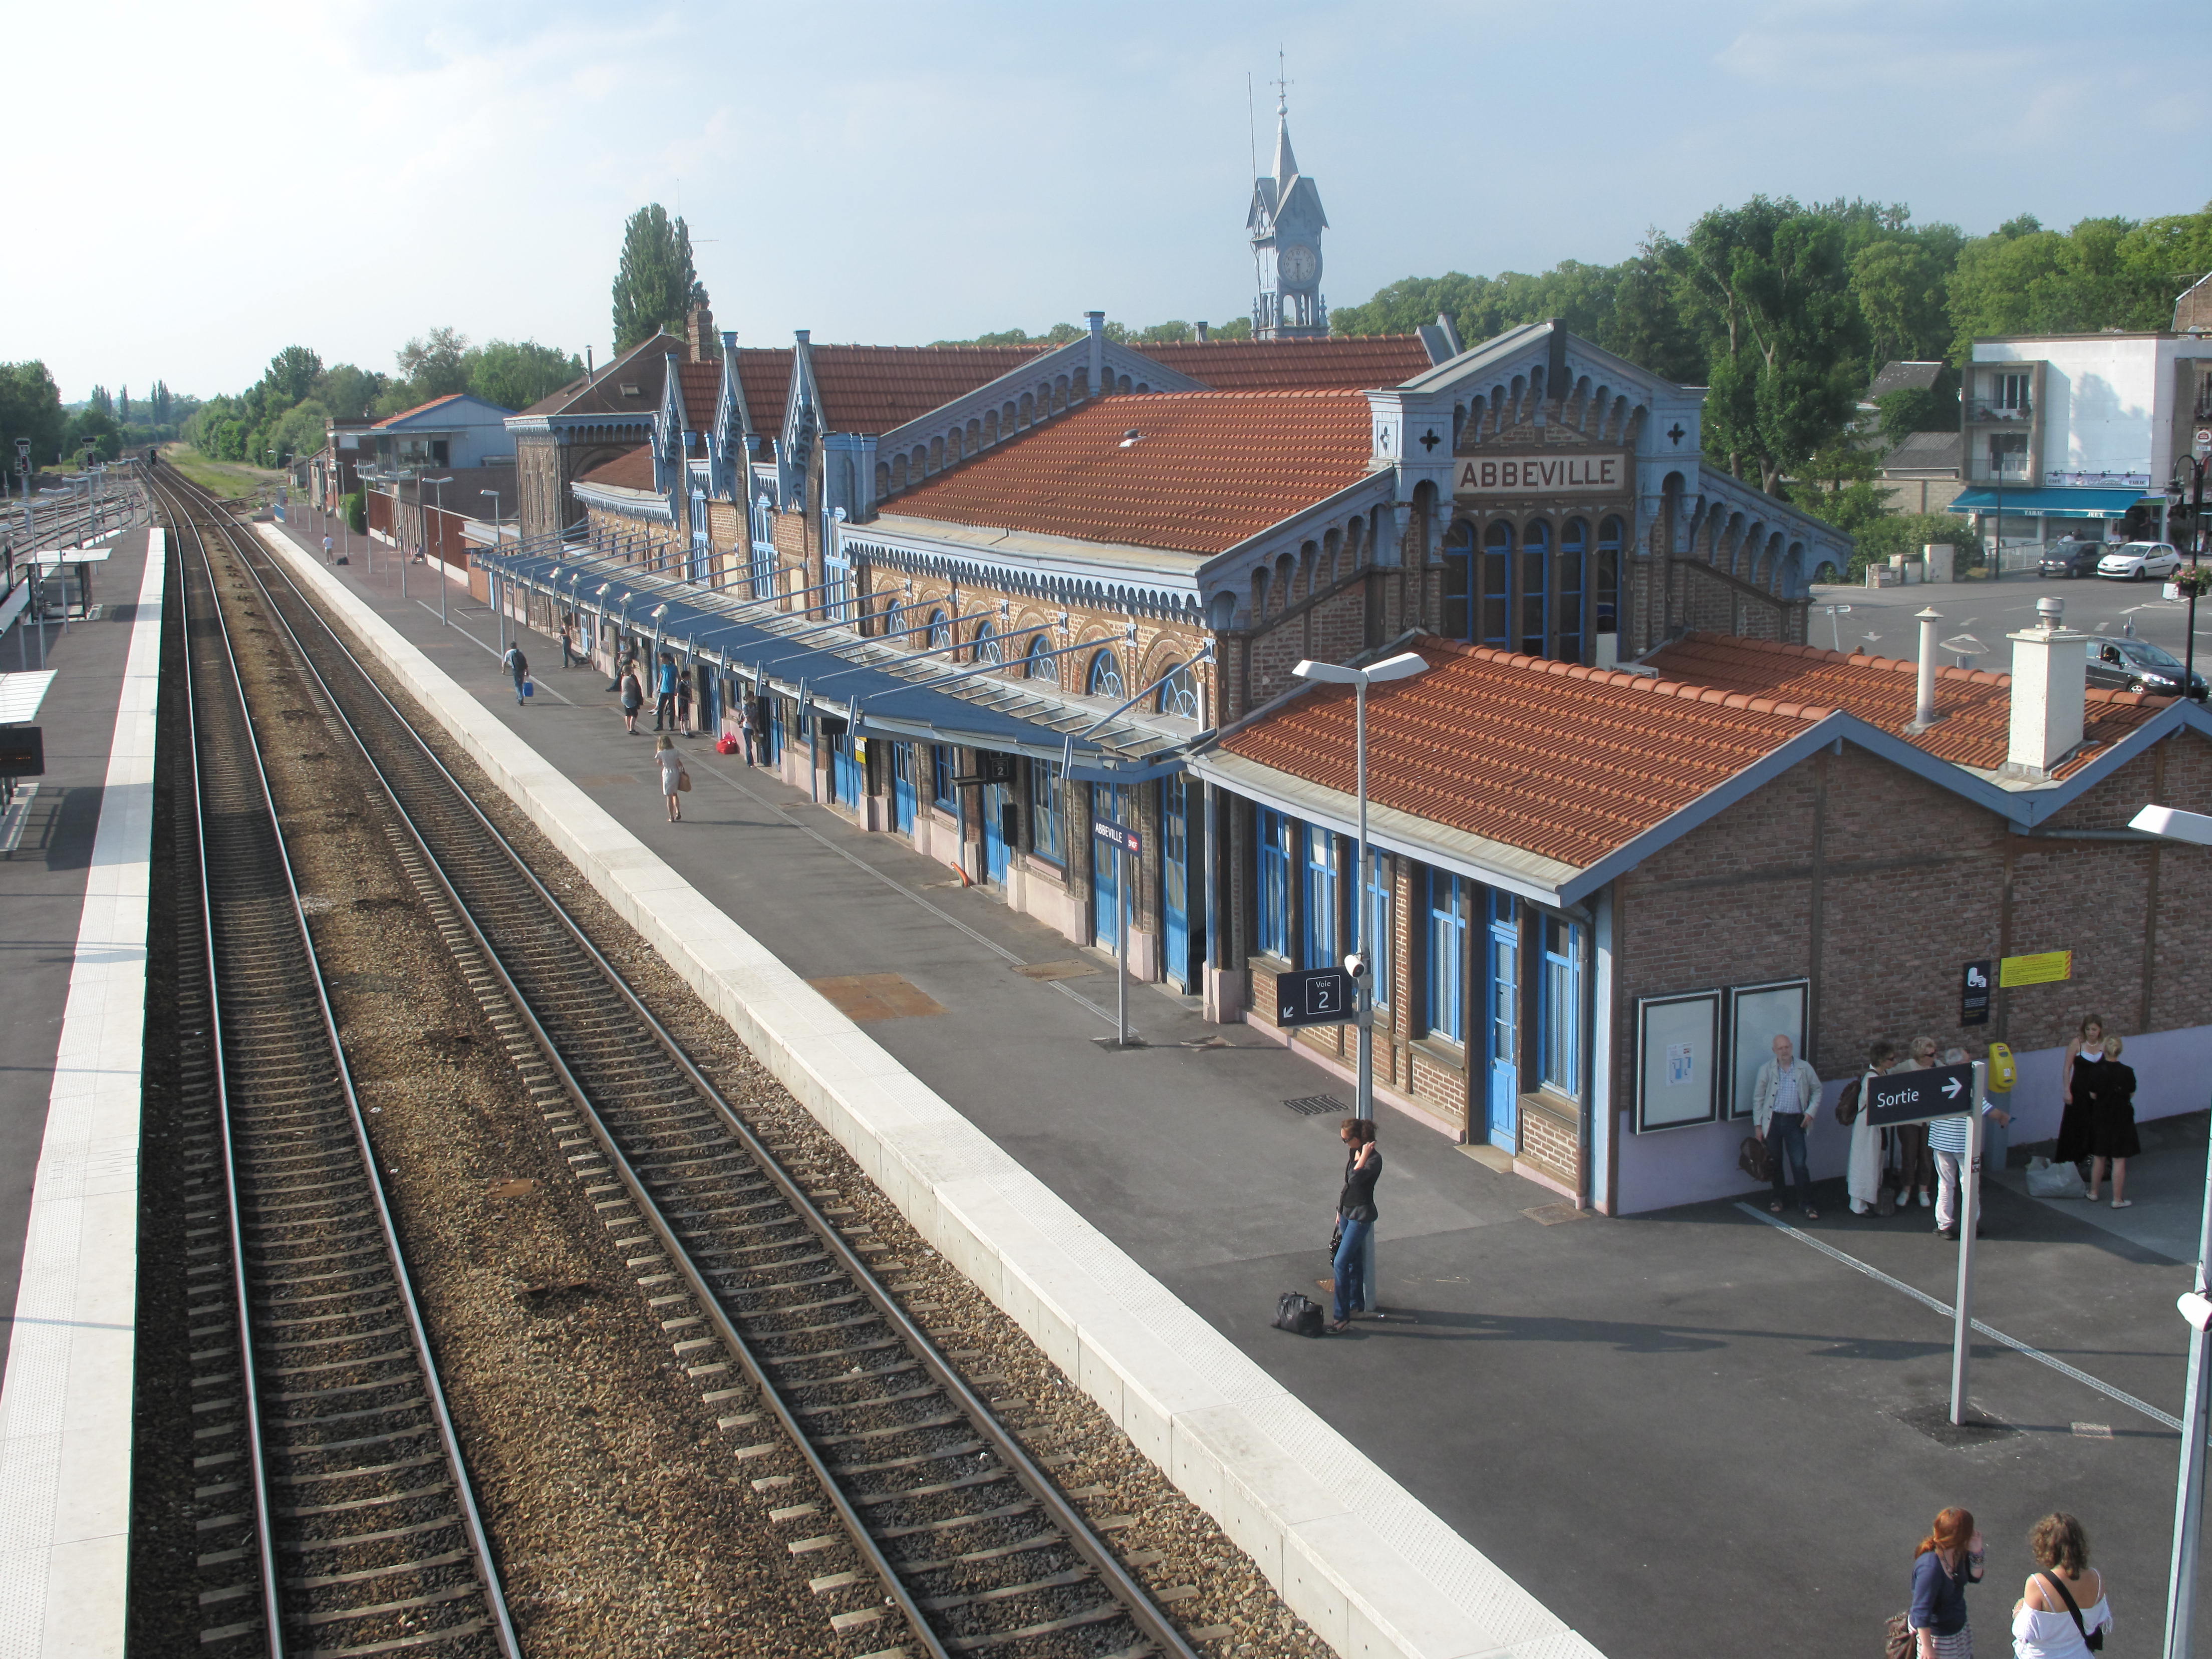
[1458,618]
[837,588]
[1179,694]
[1043,666]
[1446,941]
[1607,584]
[1559,1018]
[942,789]
[1536,575]
[1273,931]
[990,649]
[1104,677]
[763,538]
[1317,859]
[940,630]
[699,567]
[1574,555]
[1496,573]
[1380,899]
[1047,831]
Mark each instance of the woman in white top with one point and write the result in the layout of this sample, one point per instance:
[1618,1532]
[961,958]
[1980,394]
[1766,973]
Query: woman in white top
[1862,1169]
[2043,1625]
[671,773]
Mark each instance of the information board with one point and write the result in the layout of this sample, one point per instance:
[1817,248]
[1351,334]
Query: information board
[1678,1060]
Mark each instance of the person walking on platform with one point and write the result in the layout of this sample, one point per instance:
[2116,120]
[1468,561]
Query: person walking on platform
[683,701]
[326,548]
[2112,1139]
[745,729]
[1783,1099]
[1948,1560]
[568,657]
[664,685]
[633,699]
[1357,1213]
[519,665]
[672,775]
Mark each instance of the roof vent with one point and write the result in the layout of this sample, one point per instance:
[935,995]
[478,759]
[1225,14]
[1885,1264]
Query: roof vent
[627,390]
[1131,438]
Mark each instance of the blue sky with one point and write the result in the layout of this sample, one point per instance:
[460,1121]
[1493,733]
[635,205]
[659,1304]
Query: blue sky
[345,176]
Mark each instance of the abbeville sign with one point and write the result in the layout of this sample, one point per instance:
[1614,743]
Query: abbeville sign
[1572,472]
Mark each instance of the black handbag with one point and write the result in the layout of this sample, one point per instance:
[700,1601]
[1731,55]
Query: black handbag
[1335,1243]
[2094,1644]
[1754,1157]
[1298,1314]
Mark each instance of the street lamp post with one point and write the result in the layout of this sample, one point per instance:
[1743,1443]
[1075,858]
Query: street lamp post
[2195,827]
[1404,665]
[2196,464]
[444,580]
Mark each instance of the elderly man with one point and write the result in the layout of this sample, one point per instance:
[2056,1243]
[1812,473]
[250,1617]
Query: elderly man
[1782,1099]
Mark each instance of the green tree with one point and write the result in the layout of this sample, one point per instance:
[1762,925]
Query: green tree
[516,373]
[97,426]
[101,401]
[1899,283]
[434,365]
[656,282]
[348,392]
[298,431]
[1918,408]
[30,407]
[291,373]
[2103,273]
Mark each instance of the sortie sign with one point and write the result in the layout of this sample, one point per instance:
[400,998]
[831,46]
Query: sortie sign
[1916,1096]
[1578,473]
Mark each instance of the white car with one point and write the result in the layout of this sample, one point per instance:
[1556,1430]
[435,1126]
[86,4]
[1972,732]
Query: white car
[2138,562]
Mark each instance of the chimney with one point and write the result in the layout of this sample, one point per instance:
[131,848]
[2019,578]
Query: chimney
[2050,682]
[1203,335]
[699,330]
[1924,712]
[1098,321]
[589,372]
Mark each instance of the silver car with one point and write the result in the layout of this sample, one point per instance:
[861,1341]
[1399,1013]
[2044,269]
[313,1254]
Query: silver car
[2138,562]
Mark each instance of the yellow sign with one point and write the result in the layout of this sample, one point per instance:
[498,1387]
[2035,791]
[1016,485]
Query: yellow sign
[2045,968]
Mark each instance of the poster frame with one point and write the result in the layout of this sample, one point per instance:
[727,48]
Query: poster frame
[1645,1007]
[1742,1109]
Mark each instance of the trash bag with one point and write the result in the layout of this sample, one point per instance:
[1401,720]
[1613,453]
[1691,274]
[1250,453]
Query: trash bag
[2049,1180]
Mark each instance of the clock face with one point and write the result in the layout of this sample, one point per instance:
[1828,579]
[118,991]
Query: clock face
[1298,262]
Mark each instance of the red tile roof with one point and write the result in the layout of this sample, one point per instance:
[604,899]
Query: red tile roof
[874,388]
[1976,706]
[1557,759]
[631,470]
[765,374]
[702,387]
[1353,362]
[1211,469]
[408,414]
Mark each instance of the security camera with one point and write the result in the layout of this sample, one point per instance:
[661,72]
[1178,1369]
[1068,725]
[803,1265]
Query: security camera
[1357,965]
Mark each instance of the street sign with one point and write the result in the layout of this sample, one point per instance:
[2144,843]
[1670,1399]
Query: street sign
[1314,996]
[1114,835]
[2044,968]
[1916,1096]
[1974,993]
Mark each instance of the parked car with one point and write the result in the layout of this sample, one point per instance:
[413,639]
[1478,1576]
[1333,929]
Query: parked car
[2126,664]
[2138,562]
[2069,557]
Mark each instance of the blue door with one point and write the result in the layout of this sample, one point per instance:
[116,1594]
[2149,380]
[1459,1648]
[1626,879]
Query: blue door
[1175,879]
[1501,1008]
[902,791]
[993,804]
[845,770]
[1105,891]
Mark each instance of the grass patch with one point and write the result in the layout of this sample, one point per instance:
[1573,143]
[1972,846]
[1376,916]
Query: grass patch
[229,478]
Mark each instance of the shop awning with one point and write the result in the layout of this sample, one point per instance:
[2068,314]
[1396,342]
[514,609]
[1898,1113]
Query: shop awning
[2050,503]
[883,688]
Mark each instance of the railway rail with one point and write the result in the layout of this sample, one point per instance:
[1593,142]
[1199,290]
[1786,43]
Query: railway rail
[927,1512]
[333,1511]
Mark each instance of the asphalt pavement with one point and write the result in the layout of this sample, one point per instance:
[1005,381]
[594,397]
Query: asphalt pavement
[1880,621]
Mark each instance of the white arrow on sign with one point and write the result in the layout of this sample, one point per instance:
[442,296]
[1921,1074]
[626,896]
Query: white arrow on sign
[1953,1088]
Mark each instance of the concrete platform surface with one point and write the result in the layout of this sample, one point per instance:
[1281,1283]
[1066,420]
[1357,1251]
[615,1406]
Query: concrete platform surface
[1649,1424]
[65,1405]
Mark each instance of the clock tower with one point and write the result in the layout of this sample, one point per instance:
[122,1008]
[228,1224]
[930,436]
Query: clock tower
[1286,224]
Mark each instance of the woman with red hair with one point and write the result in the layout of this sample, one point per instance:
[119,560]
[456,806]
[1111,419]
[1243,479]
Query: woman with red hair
[1948,1560]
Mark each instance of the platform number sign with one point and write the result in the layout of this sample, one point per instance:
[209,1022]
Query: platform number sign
[1314,996]
[1974,993]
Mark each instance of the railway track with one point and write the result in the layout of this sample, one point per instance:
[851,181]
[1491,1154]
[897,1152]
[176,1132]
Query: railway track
[333,1513]
[932,1529]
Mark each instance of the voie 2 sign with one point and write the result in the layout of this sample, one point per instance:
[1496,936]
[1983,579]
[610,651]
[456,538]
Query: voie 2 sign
[1916,1096]
[1564,474]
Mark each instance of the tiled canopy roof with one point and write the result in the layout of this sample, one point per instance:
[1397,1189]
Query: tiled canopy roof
[1976,706]
[1353,362]
[419,409]
[765,374]
[1211,469]
[874,388]
[702,385]
[631,470]
[1568,761]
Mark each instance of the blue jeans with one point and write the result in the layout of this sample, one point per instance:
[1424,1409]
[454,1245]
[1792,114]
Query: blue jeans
[1785,1144]
[1351,1252]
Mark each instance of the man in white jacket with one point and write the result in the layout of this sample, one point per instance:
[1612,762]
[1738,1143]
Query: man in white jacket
[1783,1098]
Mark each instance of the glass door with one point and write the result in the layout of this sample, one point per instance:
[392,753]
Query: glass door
[1105,891]
[1175,879]
[993,805]
[902,789]
[1502,1006]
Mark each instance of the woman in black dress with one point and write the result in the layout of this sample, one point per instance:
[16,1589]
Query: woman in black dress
[2083,1055]
[2111,1120]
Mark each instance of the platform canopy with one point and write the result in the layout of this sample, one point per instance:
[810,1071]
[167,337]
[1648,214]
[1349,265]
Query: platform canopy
[21,694]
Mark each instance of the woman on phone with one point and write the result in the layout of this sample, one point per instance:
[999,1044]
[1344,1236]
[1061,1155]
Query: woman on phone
[1948,1560]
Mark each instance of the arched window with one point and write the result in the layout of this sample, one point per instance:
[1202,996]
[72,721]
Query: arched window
[1607,598]
[1574,555]
[1104,677]
[989,648]
[893,621]
[1179,693]
[1457,622]
[1535,574]
[1496,573]
[940,631]
[1043,666]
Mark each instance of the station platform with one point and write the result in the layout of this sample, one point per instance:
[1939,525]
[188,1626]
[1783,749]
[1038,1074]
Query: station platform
[74,890]
[1571,1433]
